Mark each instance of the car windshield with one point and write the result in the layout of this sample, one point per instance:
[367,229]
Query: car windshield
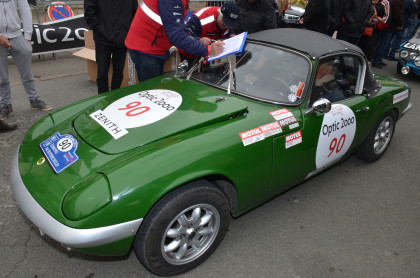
[262,72]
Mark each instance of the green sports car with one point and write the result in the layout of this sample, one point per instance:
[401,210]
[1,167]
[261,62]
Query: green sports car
[162,166]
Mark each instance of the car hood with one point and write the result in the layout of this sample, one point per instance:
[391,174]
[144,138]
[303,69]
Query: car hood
[133,117]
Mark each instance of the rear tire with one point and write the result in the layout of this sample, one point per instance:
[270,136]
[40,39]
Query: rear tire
[183,229]
[379,138]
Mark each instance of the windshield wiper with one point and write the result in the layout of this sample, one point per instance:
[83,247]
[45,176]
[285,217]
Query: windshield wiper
[195,67]
[232,75]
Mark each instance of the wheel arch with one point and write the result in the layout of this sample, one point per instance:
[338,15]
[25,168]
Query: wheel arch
[223,183]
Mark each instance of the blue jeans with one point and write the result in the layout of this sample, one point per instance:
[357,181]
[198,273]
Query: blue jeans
[412,26]
[396,42]
[382,47]
[146,66]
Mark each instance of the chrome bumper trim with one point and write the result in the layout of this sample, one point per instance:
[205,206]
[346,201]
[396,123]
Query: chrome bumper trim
[407,109]
[67,236]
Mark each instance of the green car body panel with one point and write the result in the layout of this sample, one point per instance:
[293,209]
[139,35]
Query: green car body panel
[117,181]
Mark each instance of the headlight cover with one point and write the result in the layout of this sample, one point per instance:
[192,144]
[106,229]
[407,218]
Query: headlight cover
[412,56]
[87,197]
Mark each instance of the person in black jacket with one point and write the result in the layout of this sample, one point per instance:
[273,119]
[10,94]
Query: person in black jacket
[356,16]
[336,16]
[316,16]
[110,21]
[256,15]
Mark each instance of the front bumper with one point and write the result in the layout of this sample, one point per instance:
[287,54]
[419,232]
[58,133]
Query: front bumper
[67,236]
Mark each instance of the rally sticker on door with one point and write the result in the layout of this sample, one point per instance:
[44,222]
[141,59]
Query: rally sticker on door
[285,118]
[260,133]
[293,139]
[336,135]
[135,110]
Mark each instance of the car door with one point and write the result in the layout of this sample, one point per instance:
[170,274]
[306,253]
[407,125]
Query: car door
[325,138]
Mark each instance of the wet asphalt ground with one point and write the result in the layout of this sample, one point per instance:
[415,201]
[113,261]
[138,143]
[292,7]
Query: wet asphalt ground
[355,220]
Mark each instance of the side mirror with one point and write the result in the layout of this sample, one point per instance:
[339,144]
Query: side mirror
[183,68]
[322,105]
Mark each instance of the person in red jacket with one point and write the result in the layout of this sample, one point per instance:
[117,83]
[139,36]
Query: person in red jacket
[212,23]
[157,25]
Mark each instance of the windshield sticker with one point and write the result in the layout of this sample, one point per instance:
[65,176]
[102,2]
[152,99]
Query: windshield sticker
[260,133]
[292,97]
[293,139]
[293,89]
[136,110]
[399,97]
[336,135]
[300,89]
[281,114]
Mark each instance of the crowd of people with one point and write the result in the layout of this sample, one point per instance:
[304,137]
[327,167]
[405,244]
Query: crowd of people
[378,27]
[147,32]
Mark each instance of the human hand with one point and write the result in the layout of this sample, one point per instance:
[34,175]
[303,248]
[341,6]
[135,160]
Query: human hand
[205,40]
[4,42]
[301,20]
[216,48]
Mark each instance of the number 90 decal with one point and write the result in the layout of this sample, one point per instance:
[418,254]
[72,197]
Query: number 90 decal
[143,108]
[337,133]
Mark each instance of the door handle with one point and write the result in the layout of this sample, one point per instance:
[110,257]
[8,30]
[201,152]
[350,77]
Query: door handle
[365,109]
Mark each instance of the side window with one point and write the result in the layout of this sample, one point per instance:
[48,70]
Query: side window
[335,78]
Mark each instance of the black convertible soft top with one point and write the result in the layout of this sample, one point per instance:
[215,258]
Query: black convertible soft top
[313,43]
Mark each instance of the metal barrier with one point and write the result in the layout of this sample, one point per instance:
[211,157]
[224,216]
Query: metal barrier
[35,10]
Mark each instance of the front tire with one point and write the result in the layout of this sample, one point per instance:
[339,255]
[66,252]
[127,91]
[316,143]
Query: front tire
[183,229]
[379,139]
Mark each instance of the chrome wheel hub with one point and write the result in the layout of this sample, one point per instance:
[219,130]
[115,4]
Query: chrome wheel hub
[383,135]
[190,234]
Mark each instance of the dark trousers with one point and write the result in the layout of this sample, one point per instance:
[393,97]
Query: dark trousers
[103,59]
[146,66]
[368,44]
[382,47]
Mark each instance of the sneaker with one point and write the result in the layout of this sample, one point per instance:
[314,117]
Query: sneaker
[39,104]
[5,111]
[377,66]
[382,64]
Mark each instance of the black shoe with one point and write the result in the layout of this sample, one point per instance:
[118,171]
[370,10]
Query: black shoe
[6,127]
[5,111]
[377,66]
[382,64]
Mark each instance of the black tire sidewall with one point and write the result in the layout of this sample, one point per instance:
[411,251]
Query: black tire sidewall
[366,151]
[147,244]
